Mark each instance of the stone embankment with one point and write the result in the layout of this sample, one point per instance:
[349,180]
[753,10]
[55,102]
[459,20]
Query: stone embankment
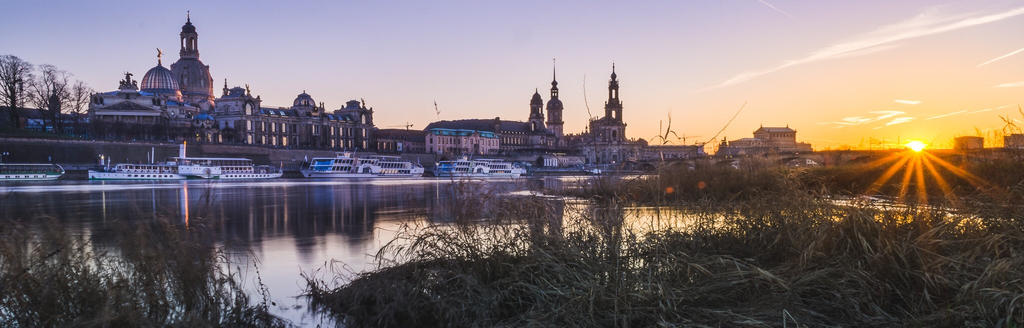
[85,154]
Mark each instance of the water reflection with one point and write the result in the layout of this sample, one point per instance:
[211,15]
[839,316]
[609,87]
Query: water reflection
[287,225]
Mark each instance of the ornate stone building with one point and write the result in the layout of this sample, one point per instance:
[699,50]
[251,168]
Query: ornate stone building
[180,101]
[513,137]
[605,140]
[191,74]
[155,111]
[554,108]
[243,119]
[456,142]
[766,140]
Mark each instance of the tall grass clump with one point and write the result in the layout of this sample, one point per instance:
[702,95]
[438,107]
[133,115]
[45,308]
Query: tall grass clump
[677,183]
[769,257]
[160,275]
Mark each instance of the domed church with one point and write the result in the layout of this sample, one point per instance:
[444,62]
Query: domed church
[160,82]
[179,103]
[191,74]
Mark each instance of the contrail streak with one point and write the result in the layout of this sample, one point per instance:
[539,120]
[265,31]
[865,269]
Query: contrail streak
[1001,57]
[925,24]
[769,5]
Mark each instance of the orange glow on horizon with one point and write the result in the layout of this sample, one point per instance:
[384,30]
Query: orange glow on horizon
[916,145]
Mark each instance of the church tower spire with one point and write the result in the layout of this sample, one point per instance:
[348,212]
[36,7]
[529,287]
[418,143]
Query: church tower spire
[613,107]
[189,39]
[554,107]
[536,112]
[554,80]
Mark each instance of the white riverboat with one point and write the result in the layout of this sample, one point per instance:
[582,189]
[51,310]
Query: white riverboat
[223,168]
[30,172]
[478,168]
[129,171]
[184,167]
[344,165]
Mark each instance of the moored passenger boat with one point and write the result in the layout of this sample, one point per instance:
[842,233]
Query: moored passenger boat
[478,168]
[128,171]
[221,167]
[344,165]
[30,172]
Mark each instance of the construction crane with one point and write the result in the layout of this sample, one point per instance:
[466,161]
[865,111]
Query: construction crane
[407,126]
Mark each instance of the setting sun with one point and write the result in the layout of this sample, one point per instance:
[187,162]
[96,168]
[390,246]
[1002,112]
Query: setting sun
[916,146]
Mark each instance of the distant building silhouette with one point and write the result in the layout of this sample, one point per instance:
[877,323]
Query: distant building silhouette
[968,143]
[766,140]
[605,140]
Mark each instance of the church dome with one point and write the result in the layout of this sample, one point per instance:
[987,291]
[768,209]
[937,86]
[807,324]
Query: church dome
[536,99]
[159,80]
[554,103]
[304,99]
[193,77]
[188,27]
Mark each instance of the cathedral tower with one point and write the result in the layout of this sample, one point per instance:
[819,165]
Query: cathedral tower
[555,108]
[613,107]
[536,112]
[193,76]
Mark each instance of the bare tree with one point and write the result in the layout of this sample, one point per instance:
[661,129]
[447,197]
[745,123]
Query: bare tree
[49,92]
[14,74]
[78,101]
[78,97]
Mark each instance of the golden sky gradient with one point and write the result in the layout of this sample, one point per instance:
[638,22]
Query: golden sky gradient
[843,74]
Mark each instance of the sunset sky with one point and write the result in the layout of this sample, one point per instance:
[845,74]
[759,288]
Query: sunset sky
[841,73]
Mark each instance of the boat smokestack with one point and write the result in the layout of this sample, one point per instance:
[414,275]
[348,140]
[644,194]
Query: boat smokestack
[181,150]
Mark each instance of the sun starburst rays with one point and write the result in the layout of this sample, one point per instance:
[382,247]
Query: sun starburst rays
[919,168]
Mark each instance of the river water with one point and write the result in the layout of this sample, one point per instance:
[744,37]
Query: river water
[287,226]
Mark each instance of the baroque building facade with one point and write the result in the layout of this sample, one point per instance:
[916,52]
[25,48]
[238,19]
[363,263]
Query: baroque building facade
[242,118]
[537,135]
[180,101]
[191,74]
[605,140]
[766,140]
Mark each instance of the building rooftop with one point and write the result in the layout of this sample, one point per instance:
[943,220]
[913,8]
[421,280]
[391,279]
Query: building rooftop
[771,129]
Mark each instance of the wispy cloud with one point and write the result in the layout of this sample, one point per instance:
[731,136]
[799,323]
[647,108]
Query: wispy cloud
[884,114]
[946,115]
[906,102]
[988,109]
[1001,57]
[858,120]
[773,7]
[853,120]
[899,120]
[927,23]
[1010,85]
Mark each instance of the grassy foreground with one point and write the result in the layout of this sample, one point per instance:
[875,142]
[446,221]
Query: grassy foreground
[755,248]
[162,276]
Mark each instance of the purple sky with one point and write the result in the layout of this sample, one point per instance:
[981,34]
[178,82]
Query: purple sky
[849,61]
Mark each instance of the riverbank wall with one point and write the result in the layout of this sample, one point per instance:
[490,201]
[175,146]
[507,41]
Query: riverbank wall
[85,154]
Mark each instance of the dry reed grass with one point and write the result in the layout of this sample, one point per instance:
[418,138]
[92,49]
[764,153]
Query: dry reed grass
[758,250]
[159,275]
